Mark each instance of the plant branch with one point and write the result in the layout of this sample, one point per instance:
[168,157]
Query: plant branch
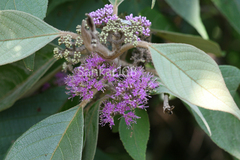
[166,107]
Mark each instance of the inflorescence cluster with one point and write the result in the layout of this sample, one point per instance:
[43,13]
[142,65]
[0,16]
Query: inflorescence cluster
[129,86]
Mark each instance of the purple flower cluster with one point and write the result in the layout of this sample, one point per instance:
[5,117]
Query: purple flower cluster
[102,15]
[143,21]
[105,14]
[86,77]
[129,91]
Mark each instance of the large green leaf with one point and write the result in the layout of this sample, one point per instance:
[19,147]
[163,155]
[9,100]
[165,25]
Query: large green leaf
[135,138]
[193,76]
[205,45]
[22,34]
[224,126]
[91,118]
[57,137]
[190,11]
[37,8]
[15,79]
[27,112]
[231,10]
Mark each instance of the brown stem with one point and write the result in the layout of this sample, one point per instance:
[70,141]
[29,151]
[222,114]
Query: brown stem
[115,9]
[166,107]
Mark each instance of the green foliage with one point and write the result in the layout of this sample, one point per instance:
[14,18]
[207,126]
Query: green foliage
[224,126]
[158,20]
[61,131]
[29,62]
[38,8]
[16,80]
[24,35]
[231,10]
[57,137]
[182,69]
[207,46]
[135,138]
[189,11]
[91,118]
[27,112]
[68,15]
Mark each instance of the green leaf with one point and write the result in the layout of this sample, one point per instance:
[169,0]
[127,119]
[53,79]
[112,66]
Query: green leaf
[91,118]
[224,126]
[205,45]
[16,80]
[116,2]
[37,8]
[231,77]
[153,3]
[27,112]
[189,11]
[57,137]
[29,62]
[231,10]
[22,34]
[135,138]
[193,76]
[158,20]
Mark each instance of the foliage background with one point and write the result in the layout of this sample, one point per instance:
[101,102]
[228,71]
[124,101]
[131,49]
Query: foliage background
[171,137]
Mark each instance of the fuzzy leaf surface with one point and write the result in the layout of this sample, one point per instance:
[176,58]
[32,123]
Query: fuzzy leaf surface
[22,34]
[224,126]
[135,138]
[59,136]
[193,76]
[27,112]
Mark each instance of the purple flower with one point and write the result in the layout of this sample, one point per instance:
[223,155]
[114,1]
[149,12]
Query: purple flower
[143,22]
[91,74]
[131,91]
[102,15]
